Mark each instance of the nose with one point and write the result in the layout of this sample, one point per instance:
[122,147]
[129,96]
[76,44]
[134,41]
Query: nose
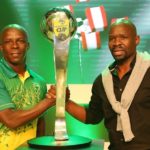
[14,44]
[117,41]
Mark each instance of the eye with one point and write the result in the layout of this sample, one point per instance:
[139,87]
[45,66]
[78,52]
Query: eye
[7,42]
[123,37]
[21,41]
[111,38]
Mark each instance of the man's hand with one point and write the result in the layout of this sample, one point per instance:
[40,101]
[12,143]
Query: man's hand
[51,94]
[67,94]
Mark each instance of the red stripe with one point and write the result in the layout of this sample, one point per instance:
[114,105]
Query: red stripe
[77,1]
[126,17]
[84,44]
[71,8]
[98,39]
[103,16]
[90,19]
[113,20]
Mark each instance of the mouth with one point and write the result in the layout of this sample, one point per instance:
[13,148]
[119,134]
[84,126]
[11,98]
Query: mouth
[15,54]
[117,49]
[117,52]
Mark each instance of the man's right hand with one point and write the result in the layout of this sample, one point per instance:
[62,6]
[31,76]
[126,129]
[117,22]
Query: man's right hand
[51,94]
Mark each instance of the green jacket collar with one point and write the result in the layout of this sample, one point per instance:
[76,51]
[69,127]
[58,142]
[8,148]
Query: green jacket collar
[9,71]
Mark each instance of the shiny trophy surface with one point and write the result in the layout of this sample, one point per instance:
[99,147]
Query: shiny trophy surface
[59,26]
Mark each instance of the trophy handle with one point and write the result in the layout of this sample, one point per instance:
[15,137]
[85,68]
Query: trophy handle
[61,52]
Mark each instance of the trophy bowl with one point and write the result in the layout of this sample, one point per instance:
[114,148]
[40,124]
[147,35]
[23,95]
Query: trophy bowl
[64,17]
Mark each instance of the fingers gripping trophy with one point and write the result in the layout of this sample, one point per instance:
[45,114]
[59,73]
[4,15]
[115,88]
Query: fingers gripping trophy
[59,26]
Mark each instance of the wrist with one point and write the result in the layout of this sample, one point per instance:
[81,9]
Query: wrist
[68,102]
[50,102]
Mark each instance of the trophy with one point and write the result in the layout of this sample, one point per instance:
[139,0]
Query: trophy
[59,26]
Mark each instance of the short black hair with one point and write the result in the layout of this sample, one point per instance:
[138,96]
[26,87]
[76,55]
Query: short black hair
[15,26]
[124,21]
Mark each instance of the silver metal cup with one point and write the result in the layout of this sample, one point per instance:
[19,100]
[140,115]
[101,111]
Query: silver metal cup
[59,26]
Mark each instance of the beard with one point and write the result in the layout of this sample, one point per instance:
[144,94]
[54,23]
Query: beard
[119,53]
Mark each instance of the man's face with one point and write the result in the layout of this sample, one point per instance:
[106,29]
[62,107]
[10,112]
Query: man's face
[14,46]
[122,41]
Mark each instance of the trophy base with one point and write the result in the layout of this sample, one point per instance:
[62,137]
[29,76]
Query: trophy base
[48,142]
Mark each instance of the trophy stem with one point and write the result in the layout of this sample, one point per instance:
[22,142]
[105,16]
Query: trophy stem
[61,50]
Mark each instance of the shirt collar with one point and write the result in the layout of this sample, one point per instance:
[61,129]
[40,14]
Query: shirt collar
[8,70]
[114,67]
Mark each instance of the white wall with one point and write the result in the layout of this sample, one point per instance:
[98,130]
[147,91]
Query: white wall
[80,93]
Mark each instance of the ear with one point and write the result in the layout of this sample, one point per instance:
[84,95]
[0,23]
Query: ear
[28,45]
[137,39]
[1,47]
